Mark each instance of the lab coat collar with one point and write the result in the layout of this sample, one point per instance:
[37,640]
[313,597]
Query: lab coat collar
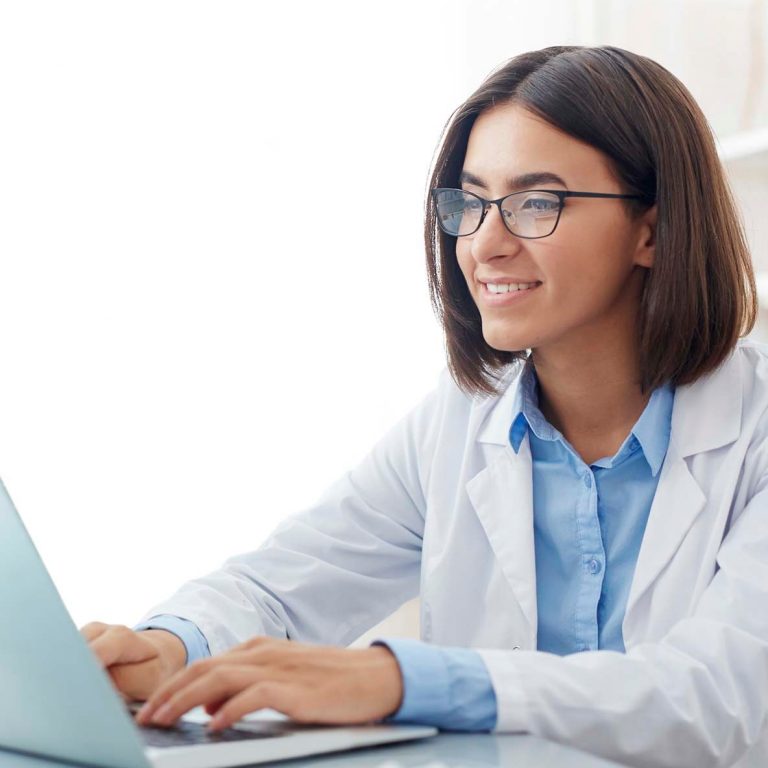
[706,413]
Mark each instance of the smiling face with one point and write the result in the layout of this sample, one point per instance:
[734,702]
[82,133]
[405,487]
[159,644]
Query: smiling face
[590,268]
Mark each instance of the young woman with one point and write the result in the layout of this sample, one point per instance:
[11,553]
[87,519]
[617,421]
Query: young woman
[580,502]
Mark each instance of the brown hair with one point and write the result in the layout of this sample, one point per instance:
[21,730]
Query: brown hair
[700,296]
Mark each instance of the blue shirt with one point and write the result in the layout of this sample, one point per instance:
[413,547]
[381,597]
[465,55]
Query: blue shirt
[588,521]
[588,525]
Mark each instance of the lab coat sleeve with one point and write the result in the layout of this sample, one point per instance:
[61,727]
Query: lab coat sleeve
[328,573]
[697,697]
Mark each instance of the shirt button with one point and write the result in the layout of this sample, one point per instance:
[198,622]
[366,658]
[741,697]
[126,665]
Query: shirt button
[595,566]
[587,479]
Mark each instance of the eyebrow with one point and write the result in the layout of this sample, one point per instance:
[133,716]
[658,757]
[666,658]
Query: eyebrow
[516,182]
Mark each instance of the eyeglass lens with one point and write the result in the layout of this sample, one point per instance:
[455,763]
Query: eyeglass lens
[527,214]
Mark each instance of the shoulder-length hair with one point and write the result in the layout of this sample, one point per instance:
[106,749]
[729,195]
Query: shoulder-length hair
[700,295]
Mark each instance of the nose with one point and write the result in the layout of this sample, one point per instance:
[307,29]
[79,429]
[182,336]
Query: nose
[493,238]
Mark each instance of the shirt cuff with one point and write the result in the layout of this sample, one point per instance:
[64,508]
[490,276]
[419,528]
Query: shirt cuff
[186,630]
[446,687]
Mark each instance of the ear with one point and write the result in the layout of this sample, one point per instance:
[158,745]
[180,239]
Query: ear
[645,251]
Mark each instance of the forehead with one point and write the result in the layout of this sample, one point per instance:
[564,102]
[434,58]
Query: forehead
[508,140]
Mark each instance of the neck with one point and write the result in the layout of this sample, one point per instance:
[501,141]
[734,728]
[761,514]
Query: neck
[590,391]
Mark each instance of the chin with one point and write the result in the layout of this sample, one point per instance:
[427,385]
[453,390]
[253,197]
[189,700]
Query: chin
[507,343]
[498,334]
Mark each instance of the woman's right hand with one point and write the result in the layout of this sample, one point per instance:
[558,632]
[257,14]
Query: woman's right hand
[137,662]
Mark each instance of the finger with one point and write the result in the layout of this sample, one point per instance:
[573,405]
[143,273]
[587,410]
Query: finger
[93,629]
[180,681]
[212,707]
[277,695]
[177,681]
[221,682]
[243,655]
[240,655]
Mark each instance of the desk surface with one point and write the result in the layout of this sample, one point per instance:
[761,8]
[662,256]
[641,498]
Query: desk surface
[446,750]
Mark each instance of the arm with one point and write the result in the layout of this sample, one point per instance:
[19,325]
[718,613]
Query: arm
[330,572]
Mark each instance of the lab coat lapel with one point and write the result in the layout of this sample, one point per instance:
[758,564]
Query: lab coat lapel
[706,415]
[502,496]
[678,501]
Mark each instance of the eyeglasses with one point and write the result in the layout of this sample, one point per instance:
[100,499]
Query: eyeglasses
[532,213]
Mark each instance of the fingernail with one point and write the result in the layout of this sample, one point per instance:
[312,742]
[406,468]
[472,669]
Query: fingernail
[215,722]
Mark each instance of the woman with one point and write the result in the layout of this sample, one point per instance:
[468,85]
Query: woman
[579,502]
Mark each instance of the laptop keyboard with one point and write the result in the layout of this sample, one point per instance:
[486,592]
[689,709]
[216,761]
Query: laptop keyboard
[185,733]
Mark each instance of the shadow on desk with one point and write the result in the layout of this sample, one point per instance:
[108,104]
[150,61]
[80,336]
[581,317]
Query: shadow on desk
[446,750]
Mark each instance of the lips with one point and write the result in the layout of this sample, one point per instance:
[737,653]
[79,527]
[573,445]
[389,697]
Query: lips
[506,280]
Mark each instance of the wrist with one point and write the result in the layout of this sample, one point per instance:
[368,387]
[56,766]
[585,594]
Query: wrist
[389,677]
[172,651]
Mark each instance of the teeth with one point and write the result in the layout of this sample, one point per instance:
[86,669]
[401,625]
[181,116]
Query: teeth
[506,287]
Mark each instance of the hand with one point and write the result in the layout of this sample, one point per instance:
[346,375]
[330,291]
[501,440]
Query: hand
[309,683]
[137,662]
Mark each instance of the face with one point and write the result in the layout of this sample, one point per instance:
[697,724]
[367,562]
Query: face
[588,271]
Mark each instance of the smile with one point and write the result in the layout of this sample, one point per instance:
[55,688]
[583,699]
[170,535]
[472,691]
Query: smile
[511,296]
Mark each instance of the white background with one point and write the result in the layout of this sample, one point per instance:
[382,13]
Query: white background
[203,324]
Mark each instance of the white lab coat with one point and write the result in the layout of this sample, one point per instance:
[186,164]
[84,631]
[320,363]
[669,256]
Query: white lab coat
[442,507]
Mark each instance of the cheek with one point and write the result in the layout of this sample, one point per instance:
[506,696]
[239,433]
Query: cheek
[583,267]
[590,263]
[465,261]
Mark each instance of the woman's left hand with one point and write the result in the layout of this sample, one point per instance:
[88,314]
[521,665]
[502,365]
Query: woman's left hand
[309,683]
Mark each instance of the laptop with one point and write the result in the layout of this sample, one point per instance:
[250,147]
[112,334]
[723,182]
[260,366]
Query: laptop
[61,703]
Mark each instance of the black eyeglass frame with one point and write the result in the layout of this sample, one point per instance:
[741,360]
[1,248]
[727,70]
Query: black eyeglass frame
[562,194]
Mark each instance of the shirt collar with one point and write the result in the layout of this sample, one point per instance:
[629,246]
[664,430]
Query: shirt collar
[651,430]
[654,425]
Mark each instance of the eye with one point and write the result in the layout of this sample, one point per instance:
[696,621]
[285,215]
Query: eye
[540,204]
